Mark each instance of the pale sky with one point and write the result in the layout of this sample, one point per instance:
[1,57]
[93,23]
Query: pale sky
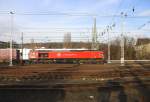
[50,19]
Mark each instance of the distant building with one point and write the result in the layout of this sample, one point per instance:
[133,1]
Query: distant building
[7,45]
[143,48]
[58,45]
[3,44]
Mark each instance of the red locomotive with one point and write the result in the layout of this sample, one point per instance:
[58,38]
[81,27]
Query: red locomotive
[53,56]
[67,55]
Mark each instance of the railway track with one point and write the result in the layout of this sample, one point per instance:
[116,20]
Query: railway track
[74,74]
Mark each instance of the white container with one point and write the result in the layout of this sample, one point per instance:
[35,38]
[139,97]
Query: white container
[25,53]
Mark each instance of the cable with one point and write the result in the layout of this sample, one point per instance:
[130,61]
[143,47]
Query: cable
[121,2]
[76,14]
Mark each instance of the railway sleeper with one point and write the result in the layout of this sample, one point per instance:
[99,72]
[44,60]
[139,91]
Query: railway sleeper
[9,78]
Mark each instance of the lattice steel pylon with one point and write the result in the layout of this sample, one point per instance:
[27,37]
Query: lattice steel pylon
[67,40]
[94,37]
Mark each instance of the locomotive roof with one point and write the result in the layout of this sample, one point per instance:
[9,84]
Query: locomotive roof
[82,49]
[61,49]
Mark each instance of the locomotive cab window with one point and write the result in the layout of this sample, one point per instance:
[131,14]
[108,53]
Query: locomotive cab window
[43,55]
